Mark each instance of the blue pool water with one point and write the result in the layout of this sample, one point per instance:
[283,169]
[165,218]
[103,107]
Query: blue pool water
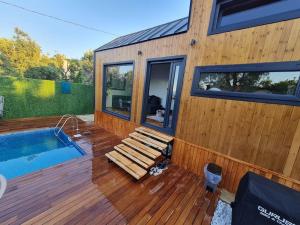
[25,152]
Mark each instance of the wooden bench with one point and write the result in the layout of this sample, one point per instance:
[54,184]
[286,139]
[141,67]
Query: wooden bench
[140,151]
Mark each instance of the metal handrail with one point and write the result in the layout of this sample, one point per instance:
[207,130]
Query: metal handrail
[66,122]
[69,116]
[3,186]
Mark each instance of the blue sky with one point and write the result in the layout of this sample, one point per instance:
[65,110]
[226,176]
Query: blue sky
[115,16]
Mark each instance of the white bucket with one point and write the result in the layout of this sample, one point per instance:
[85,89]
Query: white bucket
[3,185]
[1,105]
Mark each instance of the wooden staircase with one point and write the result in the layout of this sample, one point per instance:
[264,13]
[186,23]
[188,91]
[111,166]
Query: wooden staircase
[140,151]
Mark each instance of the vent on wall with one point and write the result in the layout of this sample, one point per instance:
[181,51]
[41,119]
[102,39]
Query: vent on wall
[1,105]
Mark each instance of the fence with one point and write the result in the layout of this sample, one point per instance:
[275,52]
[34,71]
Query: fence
[33,97]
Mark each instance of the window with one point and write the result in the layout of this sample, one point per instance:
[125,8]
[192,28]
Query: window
[228,15]
[265,82]
[117,89]
[162,92]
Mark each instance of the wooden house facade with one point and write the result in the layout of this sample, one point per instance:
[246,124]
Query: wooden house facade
[240,130]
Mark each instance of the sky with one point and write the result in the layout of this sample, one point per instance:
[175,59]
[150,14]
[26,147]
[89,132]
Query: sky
[115,16]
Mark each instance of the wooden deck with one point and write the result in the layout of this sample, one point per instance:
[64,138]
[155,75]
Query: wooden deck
[89,190]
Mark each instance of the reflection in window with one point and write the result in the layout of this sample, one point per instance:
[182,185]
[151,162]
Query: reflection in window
[263,82]
[283,83]
[118,81]
[235,14]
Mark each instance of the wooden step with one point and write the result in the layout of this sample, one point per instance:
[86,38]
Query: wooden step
[130,167]
[149,141]
[155,134]
[134,156]
[150,152]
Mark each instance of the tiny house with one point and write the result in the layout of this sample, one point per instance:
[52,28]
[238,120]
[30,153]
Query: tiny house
[223,81]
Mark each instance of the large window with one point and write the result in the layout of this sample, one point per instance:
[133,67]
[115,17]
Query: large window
[228,15]
[265,82]
[117,89]
[162,92]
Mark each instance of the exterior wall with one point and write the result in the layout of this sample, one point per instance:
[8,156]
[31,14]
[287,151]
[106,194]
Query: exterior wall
[267,135]
[193,157]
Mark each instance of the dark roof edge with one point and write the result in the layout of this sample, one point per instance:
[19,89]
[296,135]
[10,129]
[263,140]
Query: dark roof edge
[101,50]
[150,28]
[174,21]
[185,31]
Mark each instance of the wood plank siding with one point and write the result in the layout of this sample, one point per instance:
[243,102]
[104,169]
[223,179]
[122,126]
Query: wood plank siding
[265,135]
[193,158]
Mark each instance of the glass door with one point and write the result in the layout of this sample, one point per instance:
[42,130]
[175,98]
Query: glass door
[162,94]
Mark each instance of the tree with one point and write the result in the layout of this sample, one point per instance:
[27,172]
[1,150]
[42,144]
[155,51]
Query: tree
[59,60]
[50,72]
[21,56]
[233,81]
[8,56]
[21,52]
[27,52]
[74,69]
[87,67]
[281,87]
[5,66]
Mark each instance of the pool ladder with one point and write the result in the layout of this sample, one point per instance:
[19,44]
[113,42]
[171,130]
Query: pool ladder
[62,122]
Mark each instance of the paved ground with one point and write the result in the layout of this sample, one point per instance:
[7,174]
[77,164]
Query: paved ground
[86,118]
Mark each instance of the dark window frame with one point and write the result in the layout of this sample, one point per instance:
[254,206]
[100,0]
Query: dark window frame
[243,96]
[104,88]
[216,12]
[149,62]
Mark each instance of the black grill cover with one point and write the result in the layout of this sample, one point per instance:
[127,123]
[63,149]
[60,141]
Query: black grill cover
[260,201]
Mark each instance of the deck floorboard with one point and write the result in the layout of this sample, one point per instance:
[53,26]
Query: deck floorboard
[90,190]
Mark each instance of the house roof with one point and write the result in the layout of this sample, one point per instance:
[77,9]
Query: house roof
[172,28]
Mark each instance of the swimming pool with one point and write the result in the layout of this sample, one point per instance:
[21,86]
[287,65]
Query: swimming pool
[29,151]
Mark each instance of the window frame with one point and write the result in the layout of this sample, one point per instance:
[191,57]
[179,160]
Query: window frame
[104,88]
[168,59]
[244,96]
[216,13]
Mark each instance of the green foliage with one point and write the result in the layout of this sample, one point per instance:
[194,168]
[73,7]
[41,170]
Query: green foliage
[87,67]
[286,87]
[43,72]
[22,57]
[74,70]
[21,52]
[5,66]
[259,82]
[31,97]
